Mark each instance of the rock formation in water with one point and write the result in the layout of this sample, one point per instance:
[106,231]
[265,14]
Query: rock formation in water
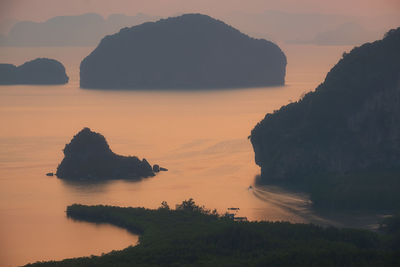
[189,51]
[38,71]
[157,168]
[88,156]
[350,123]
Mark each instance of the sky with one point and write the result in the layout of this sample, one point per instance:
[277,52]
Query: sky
[299,21]
[39,10]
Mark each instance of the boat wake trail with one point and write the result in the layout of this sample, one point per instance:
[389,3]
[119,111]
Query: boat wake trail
[295,203]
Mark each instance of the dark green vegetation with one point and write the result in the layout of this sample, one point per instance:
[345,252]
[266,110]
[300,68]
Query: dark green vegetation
[194,236]
[391,226]
[38,71]
[372,190]
[88,156]
[189,51]
[341,142]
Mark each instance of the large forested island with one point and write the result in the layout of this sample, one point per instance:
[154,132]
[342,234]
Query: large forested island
[88,156]
[194,236]
[38,71]
[342,141]
[189,51]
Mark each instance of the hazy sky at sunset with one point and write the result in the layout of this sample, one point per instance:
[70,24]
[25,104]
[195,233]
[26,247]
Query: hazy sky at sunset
[43,9]
[297,21]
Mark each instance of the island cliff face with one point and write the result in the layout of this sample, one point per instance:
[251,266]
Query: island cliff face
[350,123]
[190,51]
[38,71]
[88,156]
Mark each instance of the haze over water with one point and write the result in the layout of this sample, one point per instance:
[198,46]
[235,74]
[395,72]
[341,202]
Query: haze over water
[200,136]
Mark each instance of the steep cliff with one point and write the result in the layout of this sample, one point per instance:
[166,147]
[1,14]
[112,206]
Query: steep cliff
[349,124]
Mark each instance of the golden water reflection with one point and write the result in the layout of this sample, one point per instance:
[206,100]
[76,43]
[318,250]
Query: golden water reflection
[201,137]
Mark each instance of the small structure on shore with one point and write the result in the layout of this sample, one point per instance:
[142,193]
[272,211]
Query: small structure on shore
[232,215]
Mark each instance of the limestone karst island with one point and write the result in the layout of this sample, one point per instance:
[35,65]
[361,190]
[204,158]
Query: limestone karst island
[189,51]
[39,71]
[88,156]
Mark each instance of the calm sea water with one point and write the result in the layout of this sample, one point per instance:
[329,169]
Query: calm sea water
[200,136]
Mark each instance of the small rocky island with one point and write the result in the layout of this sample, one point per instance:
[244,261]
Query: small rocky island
[189,51]
[88,156]
[37,71]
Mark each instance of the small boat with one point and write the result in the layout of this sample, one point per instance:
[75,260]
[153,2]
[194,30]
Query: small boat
[50,174]
[250,187]
[233,209]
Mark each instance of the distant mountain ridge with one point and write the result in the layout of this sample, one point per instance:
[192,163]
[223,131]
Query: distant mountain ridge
[274,25]
[79,30]
[189,51]
[313,28]
[350,33]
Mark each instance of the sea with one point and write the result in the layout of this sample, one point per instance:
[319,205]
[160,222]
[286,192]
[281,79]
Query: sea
[200,136]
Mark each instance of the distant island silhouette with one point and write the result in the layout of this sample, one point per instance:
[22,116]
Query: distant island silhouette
[88,156]
[342,141]
[79,30]
[189,51]
[37,71]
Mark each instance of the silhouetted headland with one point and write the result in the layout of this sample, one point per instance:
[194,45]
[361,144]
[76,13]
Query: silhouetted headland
[37,71]
[341,142]
[88,156]
[189,51]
